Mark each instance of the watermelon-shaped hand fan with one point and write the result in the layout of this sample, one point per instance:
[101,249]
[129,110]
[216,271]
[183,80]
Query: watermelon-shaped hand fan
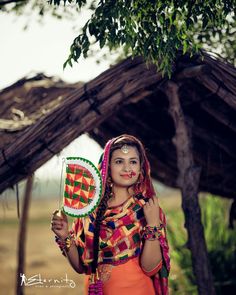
[83,187]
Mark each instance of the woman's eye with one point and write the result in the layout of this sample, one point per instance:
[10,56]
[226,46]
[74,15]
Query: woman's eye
[133,162]
[118,162]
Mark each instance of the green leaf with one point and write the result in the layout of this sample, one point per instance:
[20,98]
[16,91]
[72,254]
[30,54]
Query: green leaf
[102,42]
[185,46]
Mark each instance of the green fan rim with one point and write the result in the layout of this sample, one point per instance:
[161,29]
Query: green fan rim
[100,188]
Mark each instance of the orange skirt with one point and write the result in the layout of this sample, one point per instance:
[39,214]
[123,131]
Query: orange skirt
[125,279]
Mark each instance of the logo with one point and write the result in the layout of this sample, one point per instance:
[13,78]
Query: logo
[39,281]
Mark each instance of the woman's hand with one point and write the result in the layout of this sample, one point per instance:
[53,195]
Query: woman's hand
[151,212]
[59,224]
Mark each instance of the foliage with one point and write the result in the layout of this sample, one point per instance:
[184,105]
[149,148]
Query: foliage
[221,244]
[183,282]
[154,29]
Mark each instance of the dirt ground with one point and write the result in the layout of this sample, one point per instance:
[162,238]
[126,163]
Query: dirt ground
[44,261]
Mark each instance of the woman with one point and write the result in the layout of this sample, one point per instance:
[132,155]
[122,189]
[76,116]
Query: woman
[124,241]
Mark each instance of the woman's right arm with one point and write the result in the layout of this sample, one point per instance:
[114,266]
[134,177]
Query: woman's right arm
[59,225]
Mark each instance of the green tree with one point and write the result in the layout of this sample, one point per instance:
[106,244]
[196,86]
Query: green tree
[157,30]
[154,29]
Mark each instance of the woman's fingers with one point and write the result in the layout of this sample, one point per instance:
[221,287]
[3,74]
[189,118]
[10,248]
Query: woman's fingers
[151,202]
[56,218]
[147,205]
[151,211]
[59,224]
[56,225]
[55,222]
[155,201]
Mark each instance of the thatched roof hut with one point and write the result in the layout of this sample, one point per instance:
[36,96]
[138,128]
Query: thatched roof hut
[41,115]
[187,123]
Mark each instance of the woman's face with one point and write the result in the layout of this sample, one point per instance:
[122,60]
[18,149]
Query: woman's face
[125,166]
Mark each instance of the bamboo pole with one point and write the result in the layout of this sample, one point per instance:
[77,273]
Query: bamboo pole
[188,180]
[22,236]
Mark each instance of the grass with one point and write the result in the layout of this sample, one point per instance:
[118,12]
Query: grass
[221,244]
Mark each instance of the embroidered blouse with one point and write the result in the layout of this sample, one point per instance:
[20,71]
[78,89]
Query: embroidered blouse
[120,234]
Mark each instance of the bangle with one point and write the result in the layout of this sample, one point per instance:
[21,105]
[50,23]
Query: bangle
[65,244]
[152,233]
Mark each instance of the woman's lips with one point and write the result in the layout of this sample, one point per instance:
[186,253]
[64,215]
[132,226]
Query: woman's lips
[128,175]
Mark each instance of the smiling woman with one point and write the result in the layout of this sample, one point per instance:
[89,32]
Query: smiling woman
[124,171]
[122,246]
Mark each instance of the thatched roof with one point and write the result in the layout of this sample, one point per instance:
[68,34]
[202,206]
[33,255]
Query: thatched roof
[40,116]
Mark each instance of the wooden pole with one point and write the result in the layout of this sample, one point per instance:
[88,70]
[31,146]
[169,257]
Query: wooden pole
[22,236]
[188,180]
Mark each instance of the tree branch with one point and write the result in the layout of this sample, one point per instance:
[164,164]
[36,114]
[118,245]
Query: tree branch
[10,1]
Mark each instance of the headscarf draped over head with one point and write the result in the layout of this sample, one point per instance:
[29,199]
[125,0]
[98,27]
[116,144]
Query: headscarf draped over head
[160,279]
[86,229]
[146,186]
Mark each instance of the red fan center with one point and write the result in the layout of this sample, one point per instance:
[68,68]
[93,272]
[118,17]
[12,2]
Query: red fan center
[79,187]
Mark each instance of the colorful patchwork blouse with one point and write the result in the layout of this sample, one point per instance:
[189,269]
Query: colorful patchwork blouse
[120,234]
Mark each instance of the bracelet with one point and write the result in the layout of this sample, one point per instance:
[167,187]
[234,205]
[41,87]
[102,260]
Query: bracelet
[152,233]
[65,244]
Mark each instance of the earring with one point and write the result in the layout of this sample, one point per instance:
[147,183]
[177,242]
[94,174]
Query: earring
[109,182]
[138,184]
[110,185]
[141,178]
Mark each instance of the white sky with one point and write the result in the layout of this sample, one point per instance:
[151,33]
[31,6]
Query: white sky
[41,48]
[44,48]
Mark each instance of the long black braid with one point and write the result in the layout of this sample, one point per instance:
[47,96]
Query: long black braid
[99,216]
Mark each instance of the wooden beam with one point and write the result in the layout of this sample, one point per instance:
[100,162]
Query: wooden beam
[223,143]
[20,275]
[85,108]
[219,115]
[191,72]
[217,88]
[188,180]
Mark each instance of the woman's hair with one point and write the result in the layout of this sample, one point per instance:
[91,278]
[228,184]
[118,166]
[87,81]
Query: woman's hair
[130,141]
[116,144]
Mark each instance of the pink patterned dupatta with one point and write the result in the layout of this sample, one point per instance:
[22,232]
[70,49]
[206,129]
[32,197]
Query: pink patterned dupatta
[160,279]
